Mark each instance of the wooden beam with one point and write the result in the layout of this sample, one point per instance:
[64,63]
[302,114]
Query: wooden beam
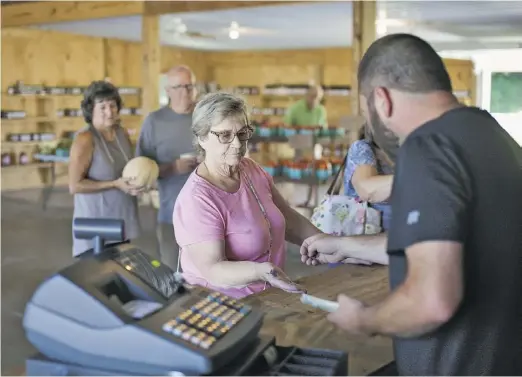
[165,7]
[151,62]
[46,12]
[43,12]
[364,33]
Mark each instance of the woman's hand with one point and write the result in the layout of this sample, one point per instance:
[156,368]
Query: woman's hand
[277,278]
[126,185]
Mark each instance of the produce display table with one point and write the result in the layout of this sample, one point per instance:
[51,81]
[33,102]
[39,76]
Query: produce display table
[309,165]
[293,323]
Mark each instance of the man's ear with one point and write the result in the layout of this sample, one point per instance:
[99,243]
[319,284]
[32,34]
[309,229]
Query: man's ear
[383,102]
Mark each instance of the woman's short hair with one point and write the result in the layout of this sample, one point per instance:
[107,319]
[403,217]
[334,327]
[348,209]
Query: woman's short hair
[96,92]
[214,108]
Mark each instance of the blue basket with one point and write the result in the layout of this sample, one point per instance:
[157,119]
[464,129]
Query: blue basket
[294,173]
[289,132]
[270,170]
[323,174]
[264,132]
[61,152]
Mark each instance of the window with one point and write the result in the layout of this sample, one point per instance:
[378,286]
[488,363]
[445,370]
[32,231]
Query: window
[506,92]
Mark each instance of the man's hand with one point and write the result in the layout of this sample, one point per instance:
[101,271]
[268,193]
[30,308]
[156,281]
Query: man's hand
[349,316]
[185,165]
[323,248]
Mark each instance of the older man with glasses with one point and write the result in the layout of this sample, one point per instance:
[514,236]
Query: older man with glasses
[166,137]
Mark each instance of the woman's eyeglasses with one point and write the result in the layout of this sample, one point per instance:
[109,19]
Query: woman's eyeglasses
[226,137]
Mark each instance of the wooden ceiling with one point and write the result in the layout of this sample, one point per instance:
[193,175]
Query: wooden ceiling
[26,13]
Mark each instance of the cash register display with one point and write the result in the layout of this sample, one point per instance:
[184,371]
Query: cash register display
[208,320]
[159,275]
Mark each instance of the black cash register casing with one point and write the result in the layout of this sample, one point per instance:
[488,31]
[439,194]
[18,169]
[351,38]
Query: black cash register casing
[78,317]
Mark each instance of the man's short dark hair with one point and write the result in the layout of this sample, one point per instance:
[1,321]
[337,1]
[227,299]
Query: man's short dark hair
[403,62]
[98,91]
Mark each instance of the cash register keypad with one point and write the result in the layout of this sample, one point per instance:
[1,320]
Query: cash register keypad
[208,320]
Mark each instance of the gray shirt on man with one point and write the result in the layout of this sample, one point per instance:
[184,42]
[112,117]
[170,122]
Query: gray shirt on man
[164,136]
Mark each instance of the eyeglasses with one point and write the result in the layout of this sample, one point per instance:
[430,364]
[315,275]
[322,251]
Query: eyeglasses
[188,87]
[226,137]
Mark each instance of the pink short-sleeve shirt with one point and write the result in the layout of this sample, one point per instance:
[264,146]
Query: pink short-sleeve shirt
[205,213]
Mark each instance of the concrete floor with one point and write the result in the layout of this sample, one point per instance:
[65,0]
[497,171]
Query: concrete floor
[37,243]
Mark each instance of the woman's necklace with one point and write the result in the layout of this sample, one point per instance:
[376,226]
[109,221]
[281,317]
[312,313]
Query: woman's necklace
[106,148]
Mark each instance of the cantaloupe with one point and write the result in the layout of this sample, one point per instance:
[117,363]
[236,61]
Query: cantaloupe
[142,170]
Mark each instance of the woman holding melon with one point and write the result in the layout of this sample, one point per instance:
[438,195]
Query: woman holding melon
[230,221]
[98,156]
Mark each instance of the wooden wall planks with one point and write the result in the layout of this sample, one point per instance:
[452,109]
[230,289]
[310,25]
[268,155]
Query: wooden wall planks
[57,58]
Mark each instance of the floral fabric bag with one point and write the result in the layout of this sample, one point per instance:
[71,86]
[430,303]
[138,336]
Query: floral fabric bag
[342,215]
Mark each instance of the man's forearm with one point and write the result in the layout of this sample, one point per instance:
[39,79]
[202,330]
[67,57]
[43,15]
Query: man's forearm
[298,227]
[368,247]
[401,315]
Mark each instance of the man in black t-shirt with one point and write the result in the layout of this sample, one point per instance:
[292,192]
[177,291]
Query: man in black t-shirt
[455,241]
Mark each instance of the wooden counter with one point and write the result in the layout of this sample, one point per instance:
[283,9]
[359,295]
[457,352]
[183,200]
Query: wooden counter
[293,323]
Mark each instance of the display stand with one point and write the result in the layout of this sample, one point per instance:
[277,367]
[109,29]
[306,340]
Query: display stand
[300,144]
[308,145]
[48,188]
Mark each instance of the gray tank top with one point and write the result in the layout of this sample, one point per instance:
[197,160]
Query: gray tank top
[108,160]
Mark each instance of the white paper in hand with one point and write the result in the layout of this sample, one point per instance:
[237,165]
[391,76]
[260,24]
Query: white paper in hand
[319,303]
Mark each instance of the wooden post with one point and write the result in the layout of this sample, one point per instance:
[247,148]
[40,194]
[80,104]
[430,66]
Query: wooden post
[364,33]
[151,62]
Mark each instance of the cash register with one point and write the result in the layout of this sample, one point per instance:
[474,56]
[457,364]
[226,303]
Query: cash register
[119,311]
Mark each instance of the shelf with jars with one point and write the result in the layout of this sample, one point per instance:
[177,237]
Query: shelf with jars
[41,120]
[270,101]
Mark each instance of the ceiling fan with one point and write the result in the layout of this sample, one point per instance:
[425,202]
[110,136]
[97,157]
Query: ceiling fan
[178,29]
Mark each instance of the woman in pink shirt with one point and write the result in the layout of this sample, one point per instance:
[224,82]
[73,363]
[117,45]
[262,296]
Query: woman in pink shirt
[230,221]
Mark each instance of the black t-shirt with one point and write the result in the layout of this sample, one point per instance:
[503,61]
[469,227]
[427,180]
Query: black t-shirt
[459,178]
